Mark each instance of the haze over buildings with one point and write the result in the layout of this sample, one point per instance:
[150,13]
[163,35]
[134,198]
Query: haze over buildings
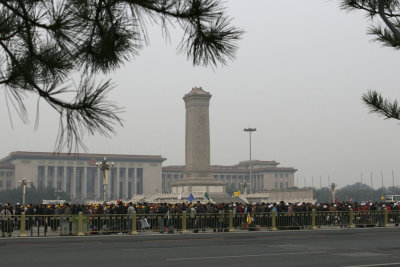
[301,69]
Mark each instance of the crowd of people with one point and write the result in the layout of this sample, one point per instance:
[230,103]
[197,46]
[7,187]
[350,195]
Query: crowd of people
[197,207]
[170,213]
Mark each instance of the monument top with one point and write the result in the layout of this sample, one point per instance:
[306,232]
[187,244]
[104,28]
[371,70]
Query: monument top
[197,91]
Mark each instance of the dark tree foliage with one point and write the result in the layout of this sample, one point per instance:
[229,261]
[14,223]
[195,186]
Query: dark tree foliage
[356,193]
[44,42]
[32,195]
[323,195]
[387,33]
[230,189]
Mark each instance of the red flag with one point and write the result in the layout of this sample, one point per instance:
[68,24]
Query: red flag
[336,200]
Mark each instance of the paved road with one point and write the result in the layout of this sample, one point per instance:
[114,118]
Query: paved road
[340,247]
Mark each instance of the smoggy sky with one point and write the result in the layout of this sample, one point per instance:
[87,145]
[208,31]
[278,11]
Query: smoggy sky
[300,71]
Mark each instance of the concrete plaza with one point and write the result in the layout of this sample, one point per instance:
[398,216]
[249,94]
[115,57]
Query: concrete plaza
[333,247]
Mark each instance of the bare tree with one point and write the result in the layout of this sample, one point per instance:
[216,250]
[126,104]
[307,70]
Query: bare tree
[44,42]
[388,33]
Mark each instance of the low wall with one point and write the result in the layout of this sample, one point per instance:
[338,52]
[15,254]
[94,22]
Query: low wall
[287,195]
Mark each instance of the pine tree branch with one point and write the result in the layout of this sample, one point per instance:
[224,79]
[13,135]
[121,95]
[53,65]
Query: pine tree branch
[383,107]
[381,8]
[370,6]
[22,16]
[388,11]
[45,41]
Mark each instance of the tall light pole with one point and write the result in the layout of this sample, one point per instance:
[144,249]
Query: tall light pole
[105,168]
[24,183]
[333,190]
[250,130]
[393,182]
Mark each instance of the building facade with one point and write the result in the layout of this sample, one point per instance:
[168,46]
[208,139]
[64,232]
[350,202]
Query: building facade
[80,177]
[266,175]
[7,176]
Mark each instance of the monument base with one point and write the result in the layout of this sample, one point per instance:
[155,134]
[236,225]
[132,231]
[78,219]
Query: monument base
[188,186]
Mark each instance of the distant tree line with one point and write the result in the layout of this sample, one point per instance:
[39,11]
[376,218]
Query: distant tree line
[32,195]
[356,193]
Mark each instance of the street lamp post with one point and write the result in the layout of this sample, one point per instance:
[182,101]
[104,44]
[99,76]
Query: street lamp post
[333,190]
[105,167]
[250,130]
[24,183]
[244,186]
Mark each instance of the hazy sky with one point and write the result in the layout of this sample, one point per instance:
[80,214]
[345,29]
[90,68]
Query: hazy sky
[300,72]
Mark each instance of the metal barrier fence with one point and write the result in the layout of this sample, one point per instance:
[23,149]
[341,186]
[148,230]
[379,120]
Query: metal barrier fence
[108,223]
[208,221]
[159,223]
[334,218]
[33,225]
[83,224]
[394,217]
[369,218]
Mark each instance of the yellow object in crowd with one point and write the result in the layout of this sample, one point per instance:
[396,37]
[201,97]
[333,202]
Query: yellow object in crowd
[248,218]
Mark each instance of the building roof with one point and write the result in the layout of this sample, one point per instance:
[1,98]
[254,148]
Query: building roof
[239,168]
[7,166]
[256,170]
[256,163]
[81,156]
[173,168]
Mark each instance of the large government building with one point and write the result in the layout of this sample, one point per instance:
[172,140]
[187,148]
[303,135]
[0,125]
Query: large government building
[80,177]
[131,174]
[266,175]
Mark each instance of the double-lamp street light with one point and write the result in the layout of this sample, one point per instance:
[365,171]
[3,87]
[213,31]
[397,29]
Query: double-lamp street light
[24,183]
[250,130]
[105,168]
[333,191]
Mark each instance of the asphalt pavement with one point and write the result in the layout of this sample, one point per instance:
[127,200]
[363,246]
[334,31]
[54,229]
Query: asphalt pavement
[334,247]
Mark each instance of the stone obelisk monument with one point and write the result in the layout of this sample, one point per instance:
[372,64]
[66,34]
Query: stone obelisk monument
[198,176]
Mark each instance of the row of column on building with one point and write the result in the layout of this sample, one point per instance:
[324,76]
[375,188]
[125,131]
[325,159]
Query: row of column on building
[87,182]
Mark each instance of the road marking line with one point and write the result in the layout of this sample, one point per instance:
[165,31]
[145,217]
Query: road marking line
[378,264]
[290,236]
[241,256]
[51,244]
[23,245]
[188,247]
[188,239]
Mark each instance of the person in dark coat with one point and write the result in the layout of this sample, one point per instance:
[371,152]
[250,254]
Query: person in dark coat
[6,221]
